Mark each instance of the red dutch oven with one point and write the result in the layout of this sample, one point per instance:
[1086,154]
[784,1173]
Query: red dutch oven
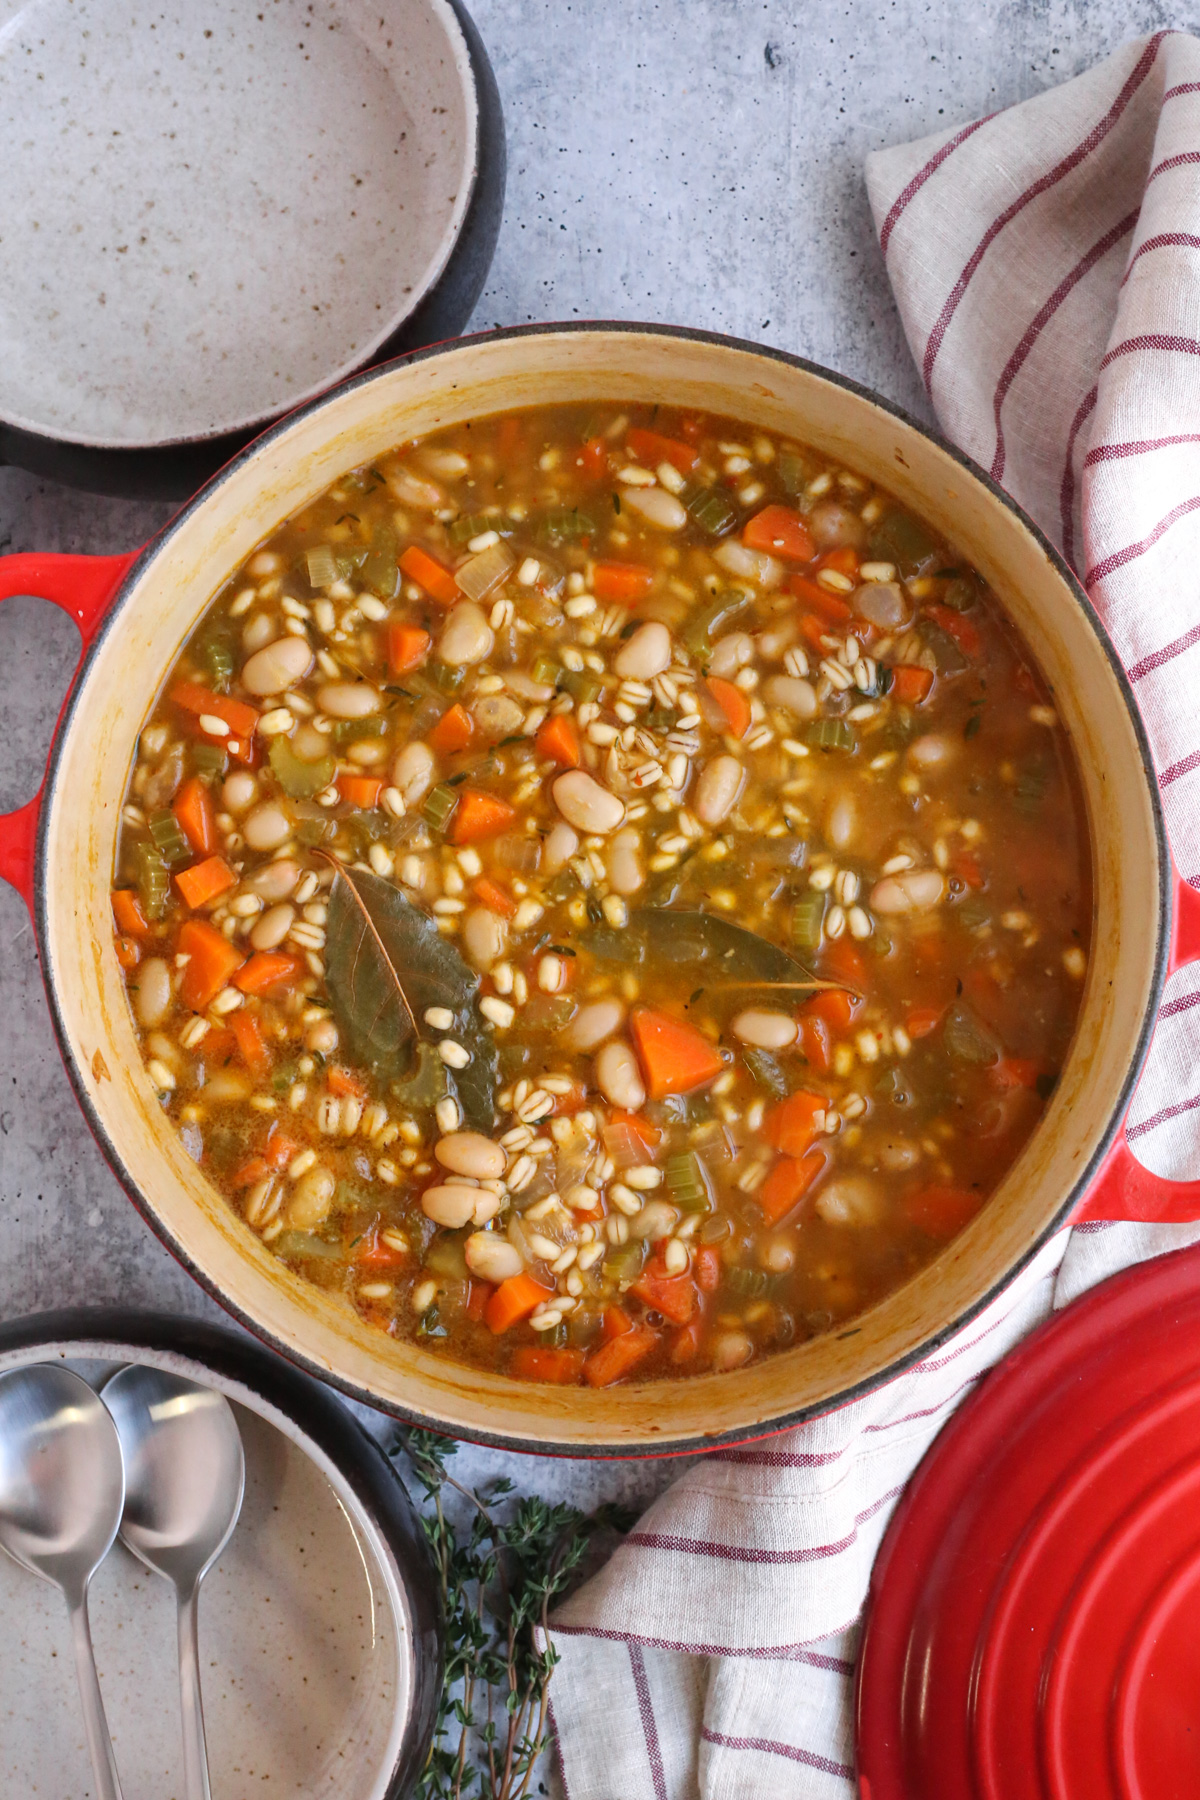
[133,612]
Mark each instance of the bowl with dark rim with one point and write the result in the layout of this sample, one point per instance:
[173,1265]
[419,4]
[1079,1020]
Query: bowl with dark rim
[135,612]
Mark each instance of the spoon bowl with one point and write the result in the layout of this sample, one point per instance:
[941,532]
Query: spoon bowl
[185,1475]
[62,1490]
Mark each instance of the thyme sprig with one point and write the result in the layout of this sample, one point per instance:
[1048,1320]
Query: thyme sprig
[501,1560]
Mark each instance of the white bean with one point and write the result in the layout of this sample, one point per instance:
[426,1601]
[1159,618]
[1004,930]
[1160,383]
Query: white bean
[496,717]
[899,1154]
[258,630]
[646,654]
[267,827]
[625,872]
[916,890]
[451,1206]
[850,1200]
[492,1257]
[842,822]
[466,636]
[560,846]
[526,688]
[310,1199]
[749,565]
[487,1205]
[270,931]
[792,693]
[414,490]
[470,1153]
[484,937]
[772,643]
[275,881]
[413,772]
[239,791]
[832,524]
[656,506]
[592,1024]
[348,699]
[449,464]
[656,1220]
[153,991]
[619,1077]
[731,653]
[279,666]
[933,751]
[585,804]
[765,1030]
[322,1036]
[718,789]
[731,1350]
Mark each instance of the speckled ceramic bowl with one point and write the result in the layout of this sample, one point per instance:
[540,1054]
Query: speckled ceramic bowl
[210,213]
[319,1637]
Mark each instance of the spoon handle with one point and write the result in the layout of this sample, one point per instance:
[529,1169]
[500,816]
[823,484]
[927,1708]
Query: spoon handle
[195,1752]
[104,1766]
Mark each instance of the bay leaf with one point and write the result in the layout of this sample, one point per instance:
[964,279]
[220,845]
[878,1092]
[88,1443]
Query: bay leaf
[728,954]
[386,965]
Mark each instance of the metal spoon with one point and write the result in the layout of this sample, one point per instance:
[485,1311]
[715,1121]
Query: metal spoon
[62,1488]
[185,1473]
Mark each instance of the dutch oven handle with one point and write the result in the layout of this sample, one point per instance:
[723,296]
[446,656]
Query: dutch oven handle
[1124,1189]
[84,587]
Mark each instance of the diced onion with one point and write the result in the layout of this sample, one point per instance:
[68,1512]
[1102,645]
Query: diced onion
[483,572]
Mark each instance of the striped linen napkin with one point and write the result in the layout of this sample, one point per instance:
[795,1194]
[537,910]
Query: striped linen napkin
[1046,262]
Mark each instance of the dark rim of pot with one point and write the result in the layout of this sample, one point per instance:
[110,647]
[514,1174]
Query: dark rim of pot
[97,1331]
[759,1428]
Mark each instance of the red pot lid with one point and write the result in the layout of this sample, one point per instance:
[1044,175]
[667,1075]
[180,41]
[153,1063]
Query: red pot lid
[1033,1627]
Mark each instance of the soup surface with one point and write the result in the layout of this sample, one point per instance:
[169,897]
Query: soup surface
[605,891]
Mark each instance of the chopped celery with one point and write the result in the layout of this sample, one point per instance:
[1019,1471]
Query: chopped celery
[793,472]
[750,1284]
[625,1264]
[705,620]
[217,658]
[564,524]
[348,731]
[321,564]
[832,734]
[440,806]
[473,525]
[446,677]
[901,539]
[687,1183]
[315,831]
[169,840]
[808,917]
[547,671]
[300,780]
[584,684]
[305,1245]
[555,1336]
[712,508]
[430,1325]
[380,571]
[152,880]
[445,1256]
[208,760]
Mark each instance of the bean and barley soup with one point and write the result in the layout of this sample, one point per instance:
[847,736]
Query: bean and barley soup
[604,890]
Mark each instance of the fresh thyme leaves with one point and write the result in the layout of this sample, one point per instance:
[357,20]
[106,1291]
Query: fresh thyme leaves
[501,1561]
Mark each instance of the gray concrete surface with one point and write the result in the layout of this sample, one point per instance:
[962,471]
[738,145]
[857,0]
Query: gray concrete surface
[696,161]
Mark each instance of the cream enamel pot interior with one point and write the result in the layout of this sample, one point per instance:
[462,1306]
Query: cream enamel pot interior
[59,852]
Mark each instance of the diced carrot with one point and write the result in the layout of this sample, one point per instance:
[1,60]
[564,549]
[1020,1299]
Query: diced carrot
[648,1133]
[941,1211]
[910,685]
[922,1020]
[361,791]
[780,532]
[812,630]
[343,1084]
[531,1363]
[205,880]
[453,731]
[967,867]
[496,898]
[255,1168]
[787,1183]
[479,1294]
[127,911]
[622,582]
[789,1125]
[674,1296]
[279,1149]
[685,1345]
[845,963]
[374,1252]
[129,952]
[708,1269]
[830,608]
[816,1043]
[844,559]
[733,702]
[269,972]
[964,633]
[558,741]
[430,574]
[479,815]
[211,960]
[196,816]
[252,1046]
[615,1323]
[514,1300]
[407,647]
[595,459]
[620,1355]
[241,719]
[1014,1072]
[675,1057]
[653,448]
[834,1005]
